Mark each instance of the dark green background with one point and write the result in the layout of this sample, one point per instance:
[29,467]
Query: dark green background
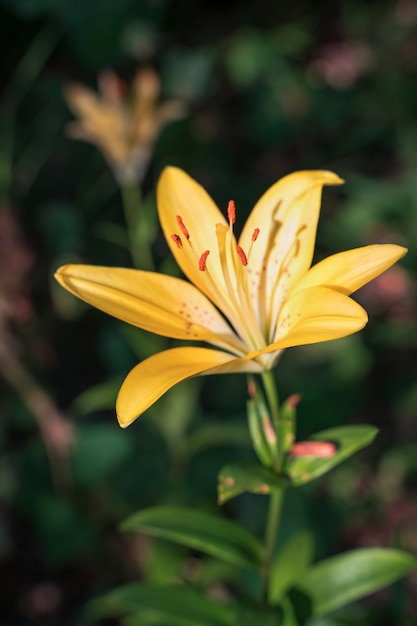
[270,89]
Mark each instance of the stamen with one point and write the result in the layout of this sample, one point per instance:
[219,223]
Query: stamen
[255,234]
[242,256]
[231,211]
[177,240]
[182,227]
[203,260]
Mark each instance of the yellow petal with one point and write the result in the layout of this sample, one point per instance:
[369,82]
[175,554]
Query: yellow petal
[348,271]
[149,380]
[315,315]
[179,194]
[161,304]
[287,216]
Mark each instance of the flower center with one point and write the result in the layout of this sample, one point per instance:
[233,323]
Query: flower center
[226,276]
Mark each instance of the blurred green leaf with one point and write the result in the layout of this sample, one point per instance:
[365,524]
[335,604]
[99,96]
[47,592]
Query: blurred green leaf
[334,582]
[246,615]
[348,439]
[290,564]
[187,73]
[199,530]
[98,398]
[217,433]
[99,449]
[112,233]
[62,529]
[238,478]
[62,228]
[174,606]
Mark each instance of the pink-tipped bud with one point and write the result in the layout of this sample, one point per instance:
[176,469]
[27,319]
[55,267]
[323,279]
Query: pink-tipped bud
[321,449]
[293,400]
[251,389]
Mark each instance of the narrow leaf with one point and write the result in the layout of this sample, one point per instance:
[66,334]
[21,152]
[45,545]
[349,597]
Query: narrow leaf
[238,478]
[334,582]
[199,530]
[287,422]
[348,440]
[177,606]
[290,564]
[257,434]
[261,427]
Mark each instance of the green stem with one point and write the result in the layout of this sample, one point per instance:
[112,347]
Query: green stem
[138,245]
[276,498]
[272,525]
[273,403]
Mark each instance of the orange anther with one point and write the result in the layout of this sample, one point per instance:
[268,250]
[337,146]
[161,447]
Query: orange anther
[231,211]
[255,234]
[182,227]
[203,260]
[242,255]
[177,240]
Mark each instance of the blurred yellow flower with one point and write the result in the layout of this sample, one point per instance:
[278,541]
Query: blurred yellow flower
[249,298]
[124,126]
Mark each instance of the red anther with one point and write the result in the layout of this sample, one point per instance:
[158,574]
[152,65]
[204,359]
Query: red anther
[242,255]
[255,234]
[203,260]
[231,211]
[177,240]
[182,227]
[314,448]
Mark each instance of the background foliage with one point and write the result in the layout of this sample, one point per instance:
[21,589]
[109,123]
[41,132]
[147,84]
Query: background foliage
[269,89]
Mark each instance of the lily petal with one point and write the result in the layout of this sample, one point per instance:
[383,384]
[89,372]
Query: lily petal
[314,315]
[287,216]
[349,270]
[158,303]
[179,194]
[149,380]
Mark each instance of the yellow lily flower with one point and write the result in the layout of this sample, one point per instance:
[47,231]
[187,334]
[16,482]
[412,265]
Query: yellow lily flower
[249,298]
[124,124]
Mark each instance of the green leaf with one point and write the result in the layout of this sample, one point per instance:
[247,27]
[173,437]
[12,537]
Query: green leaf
[176,606]
[257,433]
[334,582]
[237,478]
[287,421]
[290,564]
[290,618]
[260,616]
[199,530]
[348,440]
[261,427]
